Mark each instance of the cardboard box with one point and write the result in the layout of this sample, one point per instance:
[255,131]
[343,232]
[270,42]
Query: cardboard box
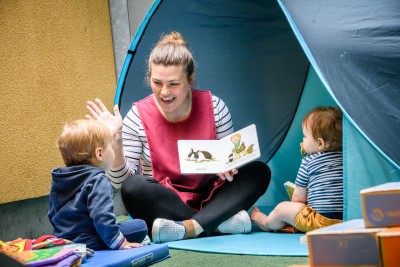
[345,244]
[389,244]
[381,205]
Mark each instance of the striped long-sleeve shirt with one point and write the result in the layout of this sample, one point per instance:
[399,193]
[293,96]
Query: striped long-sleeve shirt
[136,147]
[322,175]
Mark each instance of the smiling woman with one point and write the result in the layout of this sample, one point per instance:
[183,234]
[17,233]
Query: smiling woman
[172,92]
[171,74]
[177,206]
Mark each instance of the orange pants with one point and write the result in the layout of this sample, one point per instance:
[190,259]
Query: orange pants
[308,219]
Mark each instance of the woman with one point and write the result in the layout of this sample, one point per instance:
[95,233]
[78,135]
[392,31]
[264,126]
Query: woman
[177,206]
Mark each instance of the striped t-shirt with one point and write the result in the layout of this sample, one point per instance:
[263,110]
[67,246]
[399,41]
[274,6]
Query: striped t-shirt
[136,148]
[322,174]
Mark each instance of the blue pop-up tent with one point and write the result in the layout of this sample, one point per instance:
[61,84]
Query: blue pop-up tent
[272,61]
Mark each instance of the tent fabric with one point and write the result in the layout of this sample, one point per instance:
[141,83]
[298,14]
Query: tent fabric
[363,167]
[256,56]
[354,45]
[229,40]
[286,161]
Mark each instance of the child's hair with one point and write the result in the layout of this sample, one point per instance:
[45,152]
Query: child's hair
[325,123]
[172,50]
[80,138]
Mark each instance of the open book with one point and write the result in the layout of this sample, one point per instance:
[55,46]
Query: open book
[214,156]
[289,187]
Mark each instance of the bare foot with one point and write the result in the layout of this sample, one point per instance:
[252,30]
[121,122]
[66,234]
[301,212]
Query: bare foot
[259,218]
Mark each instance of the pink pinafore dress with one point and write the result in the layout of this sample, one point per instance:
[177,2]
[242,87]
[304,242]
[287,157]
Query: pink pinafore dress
[162,136]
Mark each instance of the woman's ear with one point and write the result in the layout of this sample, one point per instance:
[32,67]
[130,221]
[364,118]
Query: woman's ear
[191,79]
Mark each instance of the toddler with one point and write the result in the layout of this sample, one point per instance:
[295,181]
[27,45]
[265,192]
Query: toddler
[81,197]
[318,196]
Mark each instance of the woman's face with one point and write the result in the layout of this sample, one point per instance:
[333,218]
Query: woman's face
[171,89]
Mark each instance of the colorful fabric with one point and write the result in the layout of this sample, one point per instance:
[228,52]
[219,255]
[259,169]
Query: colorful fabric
[45,251]
[40,257]
[16,245]
[71,261]
[48,241]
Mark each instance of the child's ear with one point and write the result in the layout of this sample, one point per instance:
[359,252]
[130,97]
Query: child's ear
[98,153]
[322,144]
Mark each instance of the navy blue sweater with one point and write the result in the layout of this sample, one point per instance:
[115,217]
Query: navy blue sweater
[82,208]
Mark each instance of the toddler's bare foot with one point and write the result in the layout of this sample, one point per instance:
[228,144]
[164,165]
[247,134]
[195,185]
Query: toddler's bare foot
[259,218]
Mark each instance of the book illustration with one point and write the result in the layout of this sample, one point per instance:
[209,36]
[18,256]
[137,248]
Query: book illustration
[199,156]
[214,156]
[238,151]
[239,148]
[289,187]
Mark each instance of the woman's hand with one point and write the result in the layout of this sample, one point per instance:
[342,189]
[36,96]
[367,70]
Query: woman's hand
[100,112]
[227,175]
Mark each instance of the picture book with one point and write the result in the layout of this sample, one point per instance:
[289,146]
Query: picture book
[289,187]
[214,156]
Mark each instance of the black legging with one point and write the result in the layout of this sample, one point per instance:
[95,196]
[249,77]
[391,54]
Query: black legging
[146,199]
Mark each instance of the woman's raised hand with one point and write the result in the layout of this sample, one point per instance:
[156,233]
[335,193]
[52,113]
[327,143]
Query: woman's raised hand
[100,112]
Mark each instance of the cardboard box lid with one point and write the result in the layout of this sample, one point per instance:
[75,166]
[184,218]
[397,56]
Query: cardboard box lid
[352,226]
[390,231]
[392,186]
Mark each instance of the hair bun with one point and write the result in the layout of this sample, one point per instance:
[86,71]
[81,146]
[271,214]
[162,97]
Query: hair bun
[172,38]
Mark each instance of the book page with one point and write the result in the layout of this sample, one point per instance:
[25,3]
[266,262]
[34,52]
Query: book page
[289,187]
[214,156]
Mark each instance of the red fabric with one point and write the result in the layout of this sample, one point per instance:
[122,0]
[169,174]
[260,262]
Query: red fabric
[28,245]
[42,238]
[162,137]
